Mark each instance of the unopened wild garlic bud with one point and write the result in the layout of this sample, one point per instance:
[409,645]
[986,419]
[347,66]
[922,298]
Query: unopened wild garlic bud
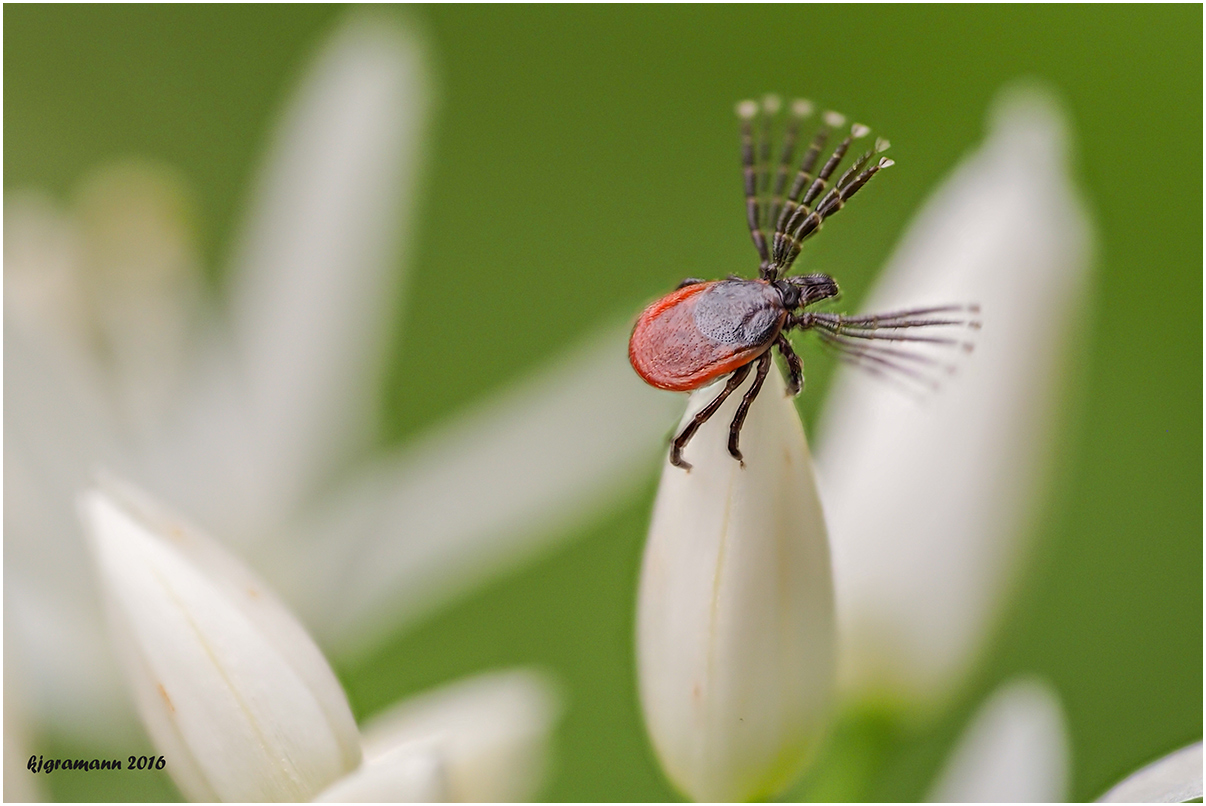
[735,622]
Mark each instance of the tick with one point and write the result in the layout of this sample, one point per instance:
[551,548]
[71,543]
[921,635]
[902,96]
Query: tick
[706,329]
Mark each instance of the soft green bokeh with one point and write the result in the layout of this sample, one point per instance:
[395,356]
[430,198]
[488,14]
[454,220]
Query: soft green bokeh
[582,161]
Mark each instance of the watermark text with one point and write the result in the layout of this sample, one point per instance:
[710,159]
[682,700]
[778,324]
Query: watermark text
[38,764]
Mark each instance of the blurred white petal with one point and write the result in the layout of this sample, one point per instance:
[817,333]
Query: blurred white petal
[477,497]
[735,624]
[412,773]
[58,641]
[103,348]
[315,279]
[43,287]
[490,734]
[102,299]
[1015,750]
[229,686]
[56,425]
[928,501]
[53,432]
[55,398]
[143,280]
[1175,778]
[111,287]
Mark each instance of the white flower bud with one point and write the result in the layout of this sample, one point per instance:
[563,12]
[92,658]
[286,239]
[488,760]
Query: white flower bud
[735,623]
[411,773]
[929,501]
[1014,750]
[1175,778]
[489,734]
[233,692]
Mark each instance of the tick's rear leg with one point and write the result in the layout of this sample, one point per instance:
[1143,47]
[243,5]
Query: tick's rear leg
[764,364]
[702,416]
[795,379]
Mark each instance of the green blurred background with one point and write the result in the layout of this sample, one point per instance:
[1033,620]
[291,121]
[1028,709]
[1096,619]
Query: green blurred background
[593,149]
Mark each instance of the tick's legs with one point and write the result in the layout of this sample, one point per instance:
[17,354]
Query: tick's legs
[747,111]
[805,220]
[803,178]
[702,416]
[883,343]
[887,326]
[833,201]
[807,164]
[742,410]
[770,109]
[800,109]
[795,380]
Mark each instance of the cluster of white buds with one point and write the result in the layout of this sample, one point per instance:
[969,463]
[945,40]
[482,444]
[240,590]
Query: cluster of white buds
[927,505]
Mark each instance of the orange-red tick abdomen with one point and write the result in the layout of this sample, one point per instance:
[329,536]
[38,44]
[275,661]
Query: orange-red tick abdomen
[703,331]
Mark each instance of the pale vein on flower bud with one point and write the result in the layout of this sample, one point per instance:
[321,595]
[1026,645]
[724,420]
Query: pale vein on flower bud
[229,685]
[735,623]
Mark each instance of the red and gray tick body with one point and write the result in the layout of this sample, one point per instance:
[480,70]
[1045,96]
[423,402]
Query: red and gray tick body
[705,330]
